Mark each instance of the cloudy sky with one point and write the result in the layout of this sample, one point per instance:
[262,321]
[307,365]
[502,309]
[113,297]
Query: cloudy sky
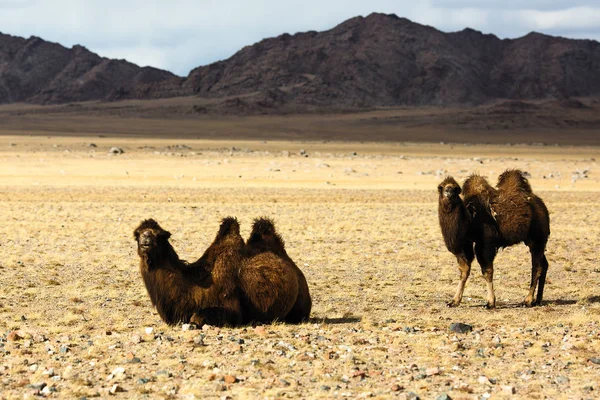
[178,35]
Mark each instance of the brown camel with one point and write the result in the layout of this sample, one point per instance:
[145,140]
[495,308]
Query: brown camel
[495,218]
[273,285]
[202,292]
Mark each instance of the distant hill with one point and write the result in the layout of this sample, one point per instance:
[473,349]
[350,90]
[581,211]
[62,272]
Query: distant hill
[376,61]
[36,71]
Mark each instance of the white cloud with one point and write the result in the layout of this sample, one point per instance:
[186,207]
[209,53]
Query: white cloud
[181,34]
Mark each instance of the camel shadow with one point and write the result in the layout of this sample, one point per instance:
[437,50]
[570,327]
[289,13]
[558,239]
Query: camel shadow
[335,321]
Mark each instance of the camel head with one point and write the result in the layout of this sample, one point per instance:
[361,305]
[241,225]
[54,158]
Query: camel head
[449,190]
[150,236]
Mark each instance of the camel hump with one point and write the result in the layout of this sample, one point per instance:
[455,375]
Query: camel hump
[263,226]
[477,185]
[513,179]
[229,226]
[263,230]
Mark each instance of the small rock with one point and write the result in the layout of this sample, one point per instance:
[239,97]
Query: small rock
[199,340]
[116,389]
[432,371]
[229,379]
[595,360]
[92,145]
[325,387]
[260,330]
[484,380]
[561,380]
[143,381]
[116,150]
[64,349]
[412,396]
[508,389]
[459,327]
[396,388]
[14,336]
[149,330]
[37,386]
[188,327]
[443,396]
[47,390]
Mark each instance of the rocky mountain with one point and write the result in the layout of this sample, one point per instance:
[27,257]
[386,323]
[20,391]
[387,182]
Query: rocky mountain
[383,60]
[365,62]
[37,71]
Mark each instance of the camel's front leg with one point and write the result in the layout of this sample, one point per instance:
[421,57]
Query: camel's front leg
[485,258]
[464,266]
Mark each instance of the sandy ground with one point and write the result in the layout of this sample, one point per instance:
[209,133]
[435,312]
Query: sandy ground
[360,219]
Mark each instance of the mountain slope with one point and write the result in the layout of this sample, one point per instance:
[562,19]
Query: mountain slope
[383,60]
[376,61]
[33,70]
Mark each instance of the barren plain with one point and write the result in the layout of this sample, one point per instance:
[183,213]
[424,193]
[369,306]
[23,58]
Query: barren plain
[360,219]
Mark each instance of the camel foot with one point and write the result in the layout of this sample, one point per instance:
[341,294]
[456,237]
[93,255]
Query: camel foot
[197,320]
[452,304]
[489,306]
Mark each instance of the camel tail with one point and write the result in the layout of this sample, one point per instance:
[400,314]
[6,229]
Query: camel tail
[229,225]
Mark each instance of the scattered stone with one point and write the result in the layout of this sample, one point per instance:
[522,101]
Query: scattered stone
[64,349]
[149,330]
[396,388]
[37,386]
[459,327]
[484,380]
[432,371]
[325,387]
[116,389]
[561,380]
[595,360]
[14,336]
[143,381]
[188,327]
[116,150]
[136,339]
[412,396]
[199,340]
[229,379]
[508,389]
[92,145]
[443,396]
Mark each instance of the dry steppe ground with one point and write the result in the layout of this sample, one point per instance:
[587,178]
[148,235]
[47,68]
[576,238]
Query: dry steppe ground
[361,222]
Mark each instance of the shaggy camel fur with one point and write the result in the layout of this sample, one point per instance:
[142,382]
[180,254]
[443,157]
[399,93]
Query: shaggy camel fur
[201,292]
[273,285]
[495,218]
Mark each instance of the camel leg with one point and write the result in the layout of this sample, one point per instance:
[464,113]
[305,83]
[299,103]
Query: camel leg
[464,266]
[539,266]
[536,274]
[485,258]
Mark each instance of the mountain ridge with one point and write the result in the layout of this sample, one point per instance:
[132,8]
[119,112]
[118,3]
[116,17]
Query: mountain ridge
[380,60]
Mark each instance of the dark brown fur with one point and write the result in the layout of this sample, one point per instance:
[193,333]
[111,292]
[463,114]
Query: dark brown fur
[201,292]
[274,287]
[455,223]
[502,217]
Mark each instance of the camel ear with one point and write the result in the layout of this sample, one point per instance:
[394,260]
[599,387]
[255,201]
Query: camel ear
[459,190]
[136,235]
[164,235]
[440,188]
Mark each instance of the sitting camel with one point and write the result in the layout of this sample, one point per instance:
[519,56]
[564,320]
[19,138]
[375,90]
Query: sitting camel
[201,292]
[274,287]
[493,218]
